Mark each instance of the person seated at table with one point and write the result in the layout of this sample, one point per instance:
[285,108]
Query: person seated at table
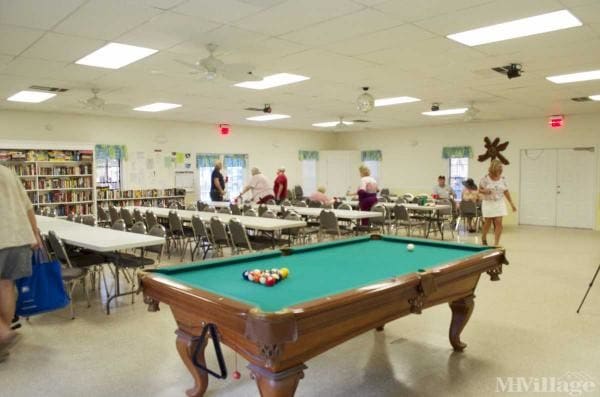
[441,191]
[321,197]
[260,188]
[367,191]
[470,193]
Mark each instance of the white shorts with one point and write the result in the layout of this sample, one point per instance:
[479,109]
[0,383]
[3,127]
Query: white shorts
[493,208]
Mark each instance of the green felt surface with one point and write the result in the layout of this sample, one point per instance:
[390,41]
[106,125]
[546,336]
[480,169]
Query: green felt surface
[318,270]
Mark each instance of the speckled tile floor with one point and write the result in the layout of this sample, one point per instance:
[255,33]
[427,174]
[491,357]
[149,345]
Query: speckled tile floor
[523,326]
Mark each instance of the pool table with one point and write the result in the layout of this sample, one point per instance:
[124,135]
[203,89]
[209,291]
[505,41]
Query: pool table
[335,291]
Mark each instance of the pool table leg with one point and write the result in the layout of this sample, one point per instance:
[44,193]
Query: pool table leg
[461,312]
[277,384]
[186,346]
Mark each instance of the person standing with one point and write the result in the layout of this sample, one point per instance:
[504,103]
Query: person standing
[367,191]
[280,185]
[17,238]
[494,189]
[259,186]
[441,191]
[217,183]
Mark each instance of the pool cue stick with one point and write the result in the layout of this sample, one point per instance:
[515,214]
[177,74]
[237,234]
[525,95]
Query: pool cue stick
[589,287]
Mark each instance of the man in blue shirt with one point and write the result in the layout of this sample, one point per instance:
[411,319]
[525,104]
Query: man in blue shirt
[217,183]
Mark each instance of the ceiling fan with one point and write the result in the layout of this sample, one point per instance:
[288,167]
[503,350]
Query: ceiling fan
[265,109]
[95,102]
[212,67]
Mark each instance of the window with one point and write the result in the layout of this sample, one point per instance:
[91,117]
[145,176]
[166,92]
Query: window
[309,176]
[234,171]
[459,171]
[373,165]
[108,173]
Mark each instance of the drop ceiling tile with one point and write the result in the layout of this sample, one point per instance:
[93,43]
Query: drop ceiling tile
[293,15]
[60,47]
[105,19]
[161,4]
[167,30]
[343,28]
[390,38]
[229,39]
[32,68]
[4,59]
[15,39]
[227,11]
[36,14]
[410,10]
[487,14]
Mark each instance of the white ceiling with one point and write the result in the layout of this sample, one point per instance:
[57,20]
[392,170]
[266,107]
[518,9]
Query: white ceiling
[397,47]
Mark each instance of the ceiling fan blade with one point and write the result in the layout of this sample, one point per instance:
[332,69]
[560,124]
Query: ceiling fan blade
[255,109]
[192,65]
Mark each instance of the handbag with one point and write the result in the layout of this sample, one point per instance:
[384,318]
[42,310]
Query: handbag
[44,290]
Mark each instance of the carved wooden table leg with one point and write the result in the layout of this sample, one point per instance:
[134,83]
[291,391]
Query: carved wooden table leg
[186,346]
[461,312]
[277,384]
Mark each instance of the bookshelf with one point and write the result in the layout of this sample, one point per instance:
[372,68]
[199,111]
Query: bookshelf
[59,179]
[140,197]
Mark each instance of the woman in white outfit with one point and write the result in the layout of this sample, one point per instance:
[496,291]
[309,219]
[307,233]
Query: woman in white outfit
[494,189]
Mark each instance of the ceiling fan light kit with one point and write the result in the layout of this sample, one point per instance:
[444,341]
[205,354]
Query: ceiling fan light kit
[365,101]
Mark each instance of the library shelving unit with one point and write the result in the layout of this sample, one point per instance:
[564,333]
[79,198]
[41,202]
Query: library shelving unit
[140,197]
[59,179]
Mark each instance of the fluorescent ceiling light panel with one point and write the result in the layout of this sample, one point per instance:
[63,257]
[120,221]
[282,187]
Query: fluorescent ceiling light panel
[595,97]
[331,123]
[395,101]
[157,107]
[268,117]
[31,96]
[115,56]
[446,112]
[544,23]
[575,77]
[274,80]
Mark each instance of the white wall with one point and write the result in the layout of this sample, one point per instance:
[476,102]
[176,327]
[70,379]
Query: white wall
[267,148]
[412,157]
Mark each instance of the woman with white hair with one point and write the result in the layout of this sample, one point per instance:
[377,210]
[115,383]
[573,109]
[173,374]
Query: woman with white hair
[494,190]
[321,197]
[367,191]
[260,187]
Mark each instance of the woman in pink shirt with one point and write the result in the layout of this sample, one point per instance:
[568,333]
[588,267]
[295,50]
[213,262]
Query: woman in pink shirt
[321,197]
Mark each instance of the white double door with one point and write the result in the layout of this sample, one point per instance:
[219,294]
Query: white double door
[558,187]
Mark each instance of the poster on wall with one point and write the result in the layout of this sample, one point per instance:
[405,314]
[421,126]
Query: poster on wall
[184,180]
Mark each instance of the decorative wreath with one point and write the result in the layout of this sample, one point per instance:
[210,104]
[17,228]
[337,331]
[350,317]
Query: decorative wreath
[493,150]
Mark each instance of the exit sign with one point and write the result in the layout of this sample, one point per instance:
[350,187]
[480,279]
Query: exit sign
[556,121]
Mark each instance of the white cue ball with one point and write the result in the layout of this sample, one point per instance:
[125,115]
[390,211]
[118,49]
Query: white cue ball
[410,247]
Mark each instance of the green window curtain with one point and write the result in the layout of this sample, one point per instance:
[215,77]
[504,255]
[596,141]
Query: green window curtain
[111,152]
[206,160]
[308,155]
[235,160]
[371,155]
[450,152]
